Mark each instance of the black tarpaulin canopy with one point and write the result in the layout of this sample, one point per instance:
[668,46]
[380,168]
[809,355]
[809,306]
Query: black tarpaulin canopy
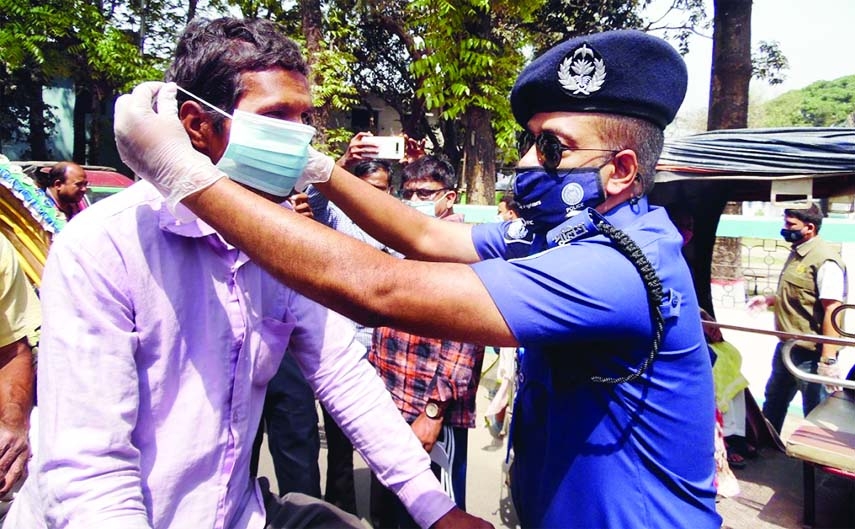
[820,160]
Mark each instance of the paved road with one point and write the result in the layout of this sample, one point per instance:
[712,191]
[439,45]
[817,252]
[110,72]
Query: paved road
[771,485]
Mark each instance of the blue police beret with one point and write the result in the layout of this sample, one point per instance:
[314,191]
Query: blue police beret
[623,72]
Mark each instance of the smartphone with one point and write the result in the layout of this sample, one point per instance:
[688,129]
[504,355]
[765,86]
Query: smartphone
[391,147]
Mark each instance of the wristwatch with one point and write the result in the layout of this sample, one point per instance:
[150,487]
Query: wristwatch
[828,361]
[432,410]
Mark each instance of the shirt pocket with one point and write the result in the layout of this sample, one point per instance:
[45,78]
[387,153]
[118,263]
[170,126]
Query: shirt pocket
[801,280]
[269,342]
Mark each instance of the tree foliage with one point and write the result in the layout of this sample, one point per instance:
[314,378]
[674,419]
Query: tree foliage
[769,63]
[454,60]
[821,104]
[46,40]
[558,20]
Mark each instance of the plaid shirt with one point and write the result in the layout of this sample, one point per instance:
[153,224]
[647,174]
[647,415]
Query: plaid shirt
[416,369]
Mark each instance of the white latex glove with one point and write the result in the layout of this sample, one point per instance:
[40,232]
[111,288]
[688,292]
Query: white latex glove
[318,170]
[156,146]
[832,371]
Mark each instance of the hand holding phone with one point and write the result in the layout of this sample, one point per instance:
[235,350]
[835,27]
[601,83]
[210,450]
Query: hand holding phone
[388,147]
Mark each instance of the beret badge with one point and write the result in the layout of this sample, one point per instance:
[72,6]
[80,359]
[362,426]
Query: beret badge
[582,72]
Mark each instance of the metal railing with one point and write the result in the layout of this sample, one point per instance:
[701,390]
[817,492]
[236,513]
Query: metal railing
[846,339]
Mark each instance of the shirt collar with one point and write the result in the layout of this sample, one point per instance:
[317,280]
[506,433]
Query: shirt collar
[185,224]
[803,248]
[195,228]
[627,212]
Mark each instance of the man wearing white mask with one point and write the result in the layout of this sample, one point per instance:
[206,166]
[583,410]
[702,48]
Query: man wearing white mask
[429,185]
[150,403]
[432,381]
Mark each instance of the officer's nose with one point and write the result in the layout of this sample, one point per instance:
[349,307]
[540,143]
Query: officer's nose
[529,158]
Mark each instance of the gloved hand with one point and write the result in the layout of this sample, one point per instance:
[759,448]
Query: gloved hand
[318,170]
[155,145]
[832,371]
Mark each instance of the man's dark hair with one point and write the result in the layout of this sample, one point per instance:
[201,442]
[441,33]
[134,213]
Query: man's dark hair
[211,55]
[367,167]
[45,179]
[510,203]
[812,215]
[639,135]
[430,167]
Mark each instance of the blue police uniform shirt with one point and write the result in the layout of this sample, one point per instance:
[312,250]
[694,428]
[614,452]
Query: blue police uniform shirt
[637,454]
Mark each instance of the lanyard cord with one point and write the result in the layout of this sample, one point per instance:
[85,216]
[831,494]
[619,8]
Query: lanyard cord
[626,246]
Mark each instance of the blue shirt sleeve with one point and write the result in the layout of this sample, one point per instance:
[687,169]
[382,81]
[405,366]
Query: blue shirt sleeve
[568,294]
[507,240]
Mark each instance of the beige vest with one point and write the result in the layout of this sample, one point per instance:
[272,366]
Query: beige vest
[797,307]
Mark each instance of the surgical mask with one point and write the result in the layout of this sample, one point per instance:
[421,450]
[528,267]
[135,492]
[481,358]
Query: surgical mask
[548,198]
[264,153]
[428,207]
[792,235]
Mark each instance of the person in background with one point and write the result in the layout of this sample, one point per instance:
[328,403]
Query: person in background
[433,382]
[508,209]
[614,415]
[160,336]
[21,319]
[65,185]
[812,284]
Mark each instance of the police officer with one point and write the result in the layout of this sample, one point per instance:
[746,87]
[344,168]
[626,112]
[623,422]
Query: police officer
[614,415]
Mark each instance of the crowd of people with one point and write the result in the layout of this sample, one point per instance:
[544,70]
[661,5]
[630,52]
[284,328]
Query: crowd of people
[249,275]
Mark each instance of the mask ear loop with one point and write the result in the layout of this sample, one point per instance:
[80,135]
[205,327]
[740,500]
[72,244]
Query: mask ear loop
[209,105]
[636,197]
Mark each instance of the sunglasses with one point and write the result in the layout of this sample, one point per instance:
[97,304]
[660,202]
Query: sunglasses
[423,194]
[549,148]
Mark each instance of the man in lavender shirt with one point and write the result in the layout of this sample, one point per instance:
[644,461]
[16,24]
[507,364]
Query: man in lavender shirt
[160,337]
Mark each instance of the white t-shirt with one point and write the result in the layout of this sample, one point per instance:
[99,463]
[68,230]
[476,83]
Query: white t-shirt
[830,280]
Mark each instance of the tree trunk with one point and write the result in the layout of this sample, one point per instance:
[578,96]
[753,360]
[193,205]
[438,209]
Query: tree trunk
[36,118]
[82,105]
[479,157]
[310,11]
[731,65]
[731,75]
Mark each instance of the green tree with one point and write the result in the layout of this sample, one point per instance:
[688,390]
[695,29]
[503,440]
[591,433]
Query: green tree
[559,20]
[43,41]
[821,104]
[467,66]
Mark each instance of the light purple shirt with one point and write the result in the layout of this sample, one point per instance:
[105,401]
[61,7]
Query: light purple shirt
[158,342]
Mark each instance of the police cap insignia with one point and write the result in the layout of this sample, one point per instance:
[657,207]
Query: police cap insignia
[582,72]
[625,72]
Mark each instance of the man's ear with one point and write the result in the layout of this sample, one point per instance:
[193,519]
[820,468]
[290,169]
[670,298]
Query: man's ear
[451,196]
[198,125]
[624,172]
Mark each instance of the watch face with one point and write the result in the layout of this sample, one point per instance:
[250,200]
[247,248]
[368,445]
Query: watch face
[432,410]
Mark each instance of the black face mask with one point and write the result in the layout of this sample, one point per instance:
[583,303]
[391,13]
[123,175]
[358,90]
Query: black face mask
[792,235]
